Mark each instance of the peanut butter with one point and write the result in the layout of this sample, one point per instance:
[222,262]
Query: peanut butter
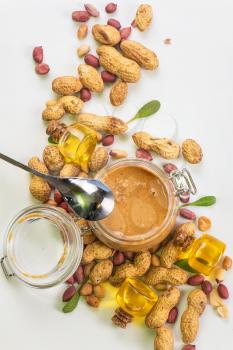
[141,201]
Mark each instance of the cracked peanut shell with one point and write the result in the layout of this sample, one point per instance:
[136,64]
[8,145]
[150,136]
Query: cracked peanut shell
[115,63]
[144,16]
[106,34]
[66,85]
[145,57]
[192,151]
[164,147]
[90,78]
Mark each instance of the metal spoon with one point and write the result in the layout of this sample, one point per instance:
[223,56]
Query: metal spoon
[89,198]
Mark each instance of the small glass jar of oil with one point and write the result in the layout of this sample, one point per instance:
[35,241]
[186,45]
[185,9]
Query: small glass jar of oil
[134,298]
[77,145]
[204,253]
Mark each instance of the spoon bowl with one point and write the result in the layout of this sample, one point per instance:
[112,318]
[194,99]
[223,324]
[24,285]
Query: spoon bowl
[88,198]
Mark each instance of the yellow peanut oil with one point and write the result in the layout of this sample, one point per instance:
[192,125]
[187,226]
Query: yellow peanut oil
[204,253]
[77,145]
[135,297]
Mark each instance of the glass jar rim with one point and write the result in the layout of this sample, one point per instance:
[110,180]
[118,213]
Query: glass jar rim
[72,252]
[170,192]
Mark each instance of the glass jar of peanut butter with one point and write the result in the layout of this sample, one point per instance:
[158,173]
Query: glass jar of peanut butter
[146,204]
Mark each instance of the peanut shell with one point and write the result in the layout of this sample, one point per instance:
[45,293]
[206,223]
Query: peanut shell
[96,251]
[106,34]
[143,56]
[66,85]
[53,159]
[139,267]
[192,151]
[36,164]
[164,147]
[197,301]
[164,339]
[158,315]
[53,112]
[90,78]
[71,104]
[40,189]
[118,93]
[101,272]
[99,159]
[110,125]
[173,276]
[144,17]
[114,62]
[169,255]
[70,170]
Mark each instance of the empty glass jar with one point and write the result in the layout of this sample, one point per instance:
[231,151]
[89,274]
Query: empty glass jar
[43,246]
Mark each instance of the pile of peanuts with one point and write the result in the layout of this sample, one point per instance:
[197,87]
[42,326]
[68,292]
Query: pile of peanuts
[101,264]
[122,60]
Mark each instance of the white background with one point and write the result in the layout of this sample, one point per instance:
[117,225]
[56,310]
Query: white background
[194,85]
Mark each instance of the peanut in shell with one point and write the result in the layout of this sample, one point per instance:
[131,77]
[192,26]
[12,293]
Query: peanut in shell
[118,93]
[108,124]
[192,151]
[90,78]
[66,85]
[114,62]
[106,34]
[145,57]
[144,16]
[173,276]
[158,315]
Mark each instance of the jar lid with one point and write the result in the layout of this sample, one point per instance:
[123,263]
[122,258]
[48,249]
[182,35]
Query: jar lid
[43,246]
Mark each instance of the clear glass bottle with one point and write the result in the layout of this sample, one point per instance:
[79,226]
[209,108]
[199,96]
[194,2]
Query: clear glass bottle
[77,145]
[43,246]
[134,298]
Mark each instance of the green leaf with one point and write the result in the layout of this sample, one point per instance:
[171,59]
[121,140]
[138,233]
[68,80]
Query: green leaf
[201,202]
[51,140]
[147,110]
[183,264]
[72,303]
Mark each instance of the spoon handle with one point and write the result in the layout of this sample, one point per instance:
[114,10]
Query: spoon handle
[22,166]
